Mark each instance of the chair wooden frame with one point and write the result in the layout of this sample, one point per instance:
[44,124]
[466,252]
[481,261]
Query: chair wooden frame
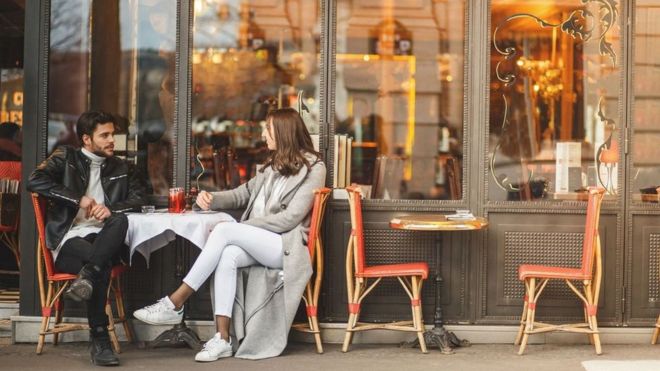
[115,290]
[656,332]
[411,276]
[313,289]
[9,233]
[51,297]
[590,273]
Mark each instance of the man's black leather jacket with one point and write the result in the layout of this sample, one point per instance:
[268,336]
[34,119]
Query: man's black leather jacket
[63,178]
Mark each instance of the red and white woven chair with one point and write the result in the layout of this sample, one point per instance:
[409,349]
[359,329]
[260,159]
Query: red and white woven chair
[313,289]
[589,273]
[9,232]
[51,298]
[411,276]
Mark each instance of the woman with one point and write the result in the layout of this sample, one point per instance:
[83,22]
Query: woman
[272,233]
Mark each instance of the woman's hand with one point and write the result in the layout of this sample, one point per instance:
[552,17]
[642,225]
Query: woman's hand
[204,200]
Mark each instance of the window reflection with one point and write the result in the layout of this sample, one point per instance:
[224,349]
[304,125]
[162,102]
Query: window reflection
[553,99]
[399,96]
[248,57]
[124,64]
[646,132]
[11,90]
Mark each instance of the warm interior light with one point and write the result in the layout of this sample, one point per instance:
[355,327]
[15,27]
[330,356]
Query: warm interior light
[199,6]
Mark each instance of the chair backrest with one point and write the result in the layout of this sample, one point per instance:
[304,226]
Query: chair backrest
[10,170]
[591,229]
[39,204]
[10,218]
[357,231]
[318,210]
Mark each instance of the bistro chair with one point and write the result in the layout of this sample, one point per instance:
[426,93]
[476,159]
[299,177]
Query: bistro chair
[9,232]
[313,289]
[656,332]
[117,293]
[590,272]
[51,298]
[410,275]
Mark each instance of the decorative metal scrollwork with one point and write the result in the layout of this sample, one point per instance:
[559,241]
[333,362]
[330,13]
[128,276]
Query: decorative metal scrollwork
[607,154]
[580,24]
[198,158]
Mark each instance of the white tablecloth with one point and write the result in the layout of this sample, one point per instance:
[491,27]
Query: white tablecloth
[149,232]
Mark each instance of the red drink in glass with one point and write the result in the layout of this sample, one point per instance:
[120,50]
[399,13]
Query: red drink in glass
[177,200]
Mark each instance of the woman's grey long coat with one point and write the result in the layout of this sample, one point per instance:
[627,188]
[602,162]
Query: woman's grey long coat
[267,299]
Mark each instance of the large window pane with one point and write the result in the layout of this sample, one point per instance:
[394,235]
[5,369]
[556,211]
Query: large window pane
[399,97]
[12,15]
[117,56]
[646,134]
[248,57]
[554,99]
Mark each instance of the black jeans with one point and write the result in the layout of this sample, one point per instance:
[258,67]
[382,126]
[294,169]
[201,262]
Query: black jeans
[103,249]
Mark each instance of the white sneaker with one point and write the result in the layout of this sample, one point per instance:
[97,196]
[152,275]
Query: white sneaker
[214,349]
[161,313]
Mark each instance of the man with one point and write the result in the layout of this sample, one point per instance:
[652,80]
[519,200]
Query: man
[10,142]
[89,189]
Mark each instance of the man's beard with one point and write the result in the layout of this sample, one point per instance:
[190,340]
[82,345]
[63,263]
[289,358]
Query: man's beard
[99,151]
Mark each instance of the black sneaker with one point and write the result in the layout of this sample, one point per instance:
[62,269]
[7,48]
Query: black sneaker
[81,288]
[101,350]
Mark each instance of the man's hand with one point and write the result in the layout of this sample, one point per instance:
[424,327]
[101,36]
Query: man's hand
[100,212]
[204,200]
[87,203]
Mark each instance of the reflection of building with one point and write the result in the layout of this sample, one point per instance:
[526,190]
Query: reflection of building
[387,83]
[247,58]
[11,95]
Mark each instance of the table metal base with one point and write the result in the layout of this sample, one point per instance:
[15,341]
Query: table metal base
[438,337]
[179,335]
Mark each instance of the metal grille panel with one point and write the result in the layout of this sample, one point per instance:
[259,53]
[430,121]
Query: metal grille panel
[654,268]
[393,247]
[545,248]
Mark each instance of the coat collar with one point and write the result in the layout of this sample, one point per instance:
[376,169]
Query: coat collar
[291,183]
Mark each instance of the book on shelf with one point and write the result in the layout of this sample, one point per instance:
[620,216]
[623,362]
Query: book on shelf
[349,150]
[342,161]
[335,157]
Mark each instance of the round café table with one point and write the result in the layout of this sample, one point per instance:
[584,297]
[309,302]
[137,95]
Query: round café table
[152,231]
[438,336]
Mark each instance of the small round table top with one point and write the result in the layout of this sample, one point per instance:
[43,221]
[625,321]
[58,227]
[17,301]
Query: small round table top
[437,222]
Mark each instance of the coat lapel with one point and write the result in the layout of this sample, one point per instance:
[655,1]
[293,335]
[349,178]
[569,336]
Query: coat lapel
[291,185]
[293,181]
[261,177]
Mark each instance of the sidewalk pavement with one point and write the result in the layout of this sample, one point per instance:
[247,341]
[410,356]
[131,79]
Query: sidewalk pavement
[301,356]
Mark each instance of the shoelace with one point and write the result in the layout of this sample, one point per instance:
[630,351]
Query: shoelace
[153,308]
[209,343]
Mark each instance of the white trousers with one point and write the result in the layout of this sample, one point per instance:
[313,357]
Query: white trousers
[231,246]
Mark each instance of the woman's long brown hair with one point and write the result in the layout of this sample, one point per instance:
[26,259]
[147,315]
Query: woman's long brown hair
[292,140]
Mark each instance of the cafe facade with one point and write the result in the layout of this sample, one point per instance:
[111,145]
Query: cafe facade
[508,109]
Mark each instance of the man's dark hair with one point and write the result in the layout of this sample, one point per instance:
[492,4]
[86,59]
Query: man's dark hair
[88,121]
[9,130]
